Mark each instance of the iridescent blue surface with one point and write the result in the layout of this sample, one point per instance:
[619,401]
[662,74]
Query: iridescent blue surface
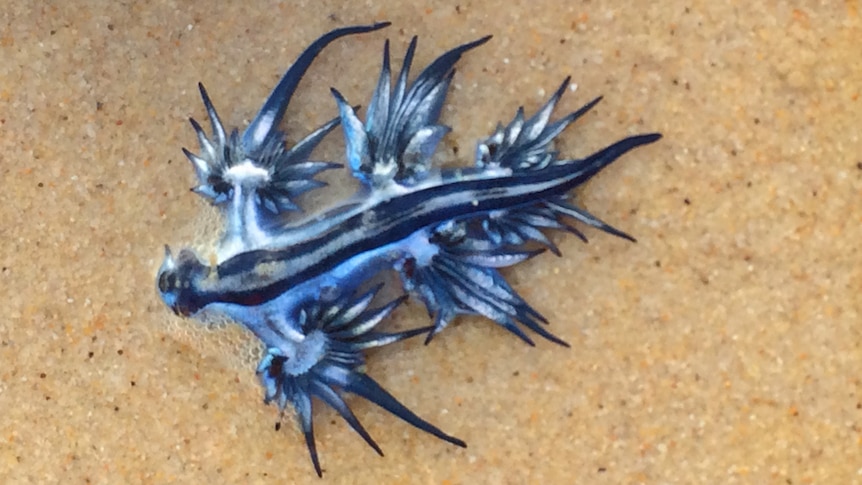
[445,232]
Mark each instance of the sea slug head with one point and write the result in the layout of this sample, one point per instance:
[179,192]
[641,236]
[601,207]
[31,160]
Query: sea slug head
[176,281]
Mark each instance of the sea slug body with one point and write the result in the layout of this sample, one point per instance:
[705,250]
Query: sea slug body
[297,283]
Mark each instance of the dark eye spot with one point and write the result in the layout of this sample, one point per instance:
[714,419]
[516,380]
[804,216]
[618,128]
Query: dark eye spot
[163,282]
[167,282]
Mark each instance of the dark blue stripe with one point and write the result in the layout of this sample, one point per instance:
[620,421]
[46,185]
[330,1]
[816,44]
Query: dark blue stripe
[400,217]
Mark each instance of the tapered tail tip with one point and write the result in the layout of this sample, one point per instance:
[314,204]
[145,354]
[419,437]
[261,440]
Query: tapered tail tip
[649,138]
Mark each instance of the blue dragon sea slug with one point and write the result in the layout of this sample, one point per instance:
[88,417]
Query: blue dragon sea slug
[296,282]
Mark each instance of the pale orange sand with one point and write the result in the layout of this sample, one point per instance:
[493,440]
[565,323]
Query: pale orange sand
[724,347]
